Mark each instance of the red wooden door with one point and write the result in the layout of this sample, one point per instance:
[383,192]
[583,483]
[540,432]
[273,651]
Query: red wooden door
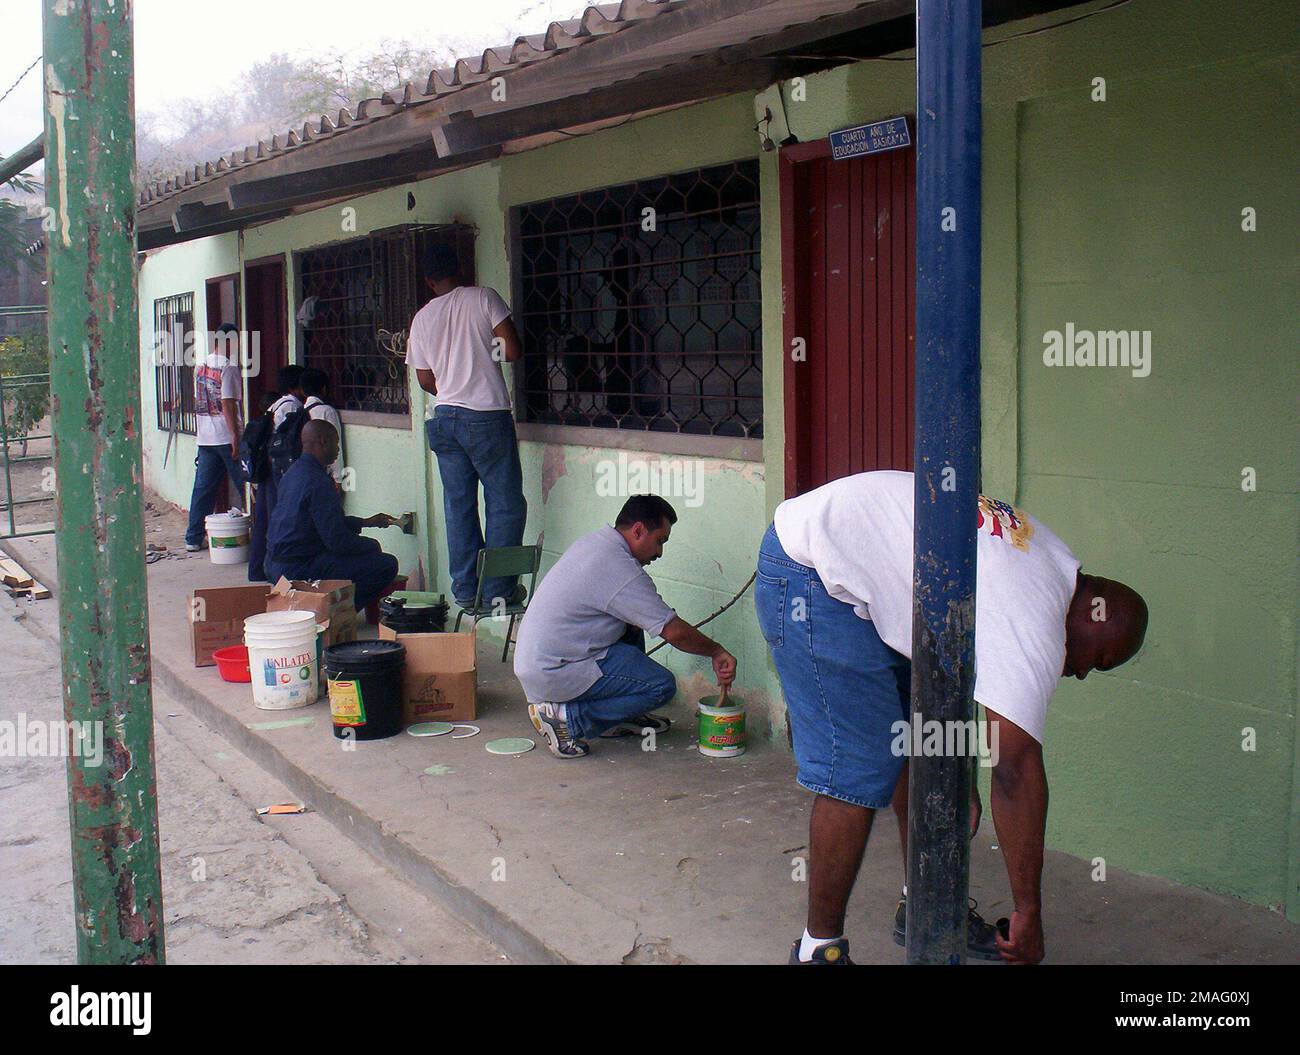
[265,292]
[848,237]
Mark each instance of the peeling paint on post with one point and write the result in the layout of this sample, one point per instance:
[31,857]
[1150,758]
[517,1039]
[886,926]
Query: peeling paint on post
[947,465]
[95,381]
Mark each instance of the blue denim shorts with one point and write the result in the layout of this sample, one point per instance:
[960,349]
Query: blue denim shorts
[844,687]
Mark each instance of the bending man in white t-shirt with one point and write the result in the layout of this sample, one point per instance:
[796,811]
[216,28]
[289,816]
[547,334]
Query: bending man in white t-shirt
[457,344]
[833,598]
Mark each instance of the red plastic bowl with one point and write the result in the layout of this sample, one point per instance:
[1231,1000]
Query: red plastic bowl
[232,663]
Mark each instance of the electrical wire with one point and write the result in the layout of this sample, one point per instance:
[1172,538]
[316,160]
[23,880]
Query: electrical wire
[19,81]
[739,594]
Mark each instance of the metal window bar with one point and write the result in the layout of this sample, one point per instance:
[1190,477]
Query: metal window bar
[640,305]
[174,363]
[364,288]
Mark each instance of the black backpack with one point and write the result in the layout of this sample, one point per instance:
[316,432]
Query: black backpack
[286,442]
[254,453]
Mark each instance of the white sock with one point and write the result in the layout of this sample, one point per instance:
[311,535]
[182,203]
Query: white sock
[904,890]
[808,943]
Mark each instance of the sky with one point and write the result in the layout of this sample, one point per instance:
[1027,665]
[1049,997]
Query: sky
[184,48]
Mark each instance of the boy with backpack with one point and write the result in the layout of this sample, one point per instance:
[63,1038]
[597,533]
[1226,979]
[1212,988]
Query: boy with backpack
[315,383]
[270,446]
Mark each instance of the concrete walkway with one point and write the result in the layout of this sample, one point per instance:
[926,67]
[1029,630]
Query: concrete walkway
[637,856]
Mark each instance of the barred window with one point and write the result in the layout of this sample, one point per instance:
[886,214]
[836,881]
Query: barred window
[356,300]
[174,354]
[640,305]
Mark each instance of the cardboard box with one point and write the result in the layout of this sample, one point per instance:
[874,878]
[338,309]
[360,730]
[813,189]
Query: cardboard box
[217,615]
[332,601]
[441,679]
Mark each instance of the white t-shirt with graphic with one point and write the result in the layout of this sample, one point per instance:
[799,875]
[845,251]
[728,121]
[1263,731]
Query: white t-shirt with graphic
[452,336]
[856,533]
[215,379]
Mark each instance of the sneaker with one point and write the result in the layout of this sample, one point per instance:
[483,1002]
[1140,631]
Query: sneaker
[195,547]
[555,731]
[836,953]
[981,936]
[637,726]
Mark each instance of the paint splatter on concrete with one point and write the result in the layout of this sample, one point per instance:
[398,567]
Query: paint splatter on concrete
[439,771]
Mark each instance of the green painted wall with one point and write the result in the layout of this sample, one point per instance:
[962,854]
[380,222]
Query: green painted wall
[1117,214]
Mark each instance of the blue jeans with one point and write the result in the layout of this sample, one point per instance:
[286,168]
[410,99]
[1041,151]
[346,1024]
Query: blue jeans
[213,466]
[263,503]
[371,573]
[844,687]
[474,446]
[631,684]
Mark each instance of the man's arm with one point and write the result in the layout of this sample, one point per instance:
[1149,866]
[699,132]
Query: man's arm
[1019,802]
[684,637]
[230,411]
[427,381]
[332,526]
[511,348]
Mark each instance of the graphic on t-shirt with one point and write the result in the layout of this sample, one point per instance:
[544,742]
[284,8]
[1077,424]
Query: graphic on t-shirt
[1005,522]
[207,390]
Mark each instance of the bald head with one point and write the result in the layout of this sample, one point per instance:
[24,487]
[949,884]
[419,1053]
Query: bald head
[320,439]
[1104,627]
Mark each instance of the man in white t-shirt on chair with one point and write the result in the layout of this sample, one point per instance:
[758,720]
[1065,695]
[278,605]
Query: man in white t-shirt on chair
[457,343]
[833,597]
[218,389]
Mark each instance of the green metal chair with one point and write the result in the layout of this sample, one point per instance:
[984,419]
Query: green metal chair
[504,562]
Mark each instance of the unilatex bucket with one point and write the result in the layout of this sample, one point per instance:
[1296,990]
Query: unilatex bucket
[228,537]
[365,688]
[722,729]
[282,659]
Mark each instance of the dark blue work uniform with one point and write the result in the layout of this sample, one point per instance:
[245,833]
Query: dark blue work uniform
[310,537]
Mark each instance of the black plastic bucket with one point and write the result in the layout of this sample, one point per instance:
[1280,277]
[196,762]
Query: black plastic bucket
[365,688]
[405,617]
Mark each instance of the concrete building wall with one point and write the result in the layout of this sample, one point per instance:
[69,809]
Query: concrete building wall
[1114,214]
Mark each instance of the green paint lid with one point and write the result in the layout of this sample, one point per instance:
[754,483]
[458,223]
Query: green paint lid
[430,729]
[509,745]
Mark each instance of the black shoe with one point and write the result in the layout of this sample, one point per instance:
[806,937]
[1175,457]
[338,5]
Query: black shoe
[834,954]
[638,725]
[981,936]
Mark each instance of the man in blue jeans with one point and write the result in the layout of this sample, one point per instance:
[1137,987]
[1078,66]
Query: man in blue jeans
[218,389]
[457,343]
[581,650]
[833,597]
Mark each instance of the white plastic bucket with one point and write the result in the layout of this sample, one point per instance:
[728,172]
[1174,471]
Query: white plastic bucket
[228,535]
[282,659]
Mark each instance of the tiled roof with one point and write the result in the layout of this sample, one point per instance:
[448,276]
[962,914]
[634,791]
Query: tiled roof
[597,21]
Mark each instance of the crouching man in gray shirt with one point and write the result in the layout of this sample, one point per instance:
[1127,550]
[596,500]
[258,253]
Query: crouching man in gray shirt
[580,654]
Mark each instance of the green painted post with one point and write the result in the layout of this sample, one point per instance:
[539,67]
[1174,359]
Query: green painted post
[95,382]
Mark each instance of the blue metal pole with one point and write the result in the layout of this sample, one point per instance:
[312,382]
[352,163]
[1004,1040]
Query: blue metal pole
[947,466]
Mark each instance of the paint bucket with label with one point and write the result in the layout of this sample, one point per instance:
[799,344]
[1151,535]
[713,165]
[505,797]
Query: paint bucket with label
[365,688]
[282,659]
[228,535]
[722,726]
